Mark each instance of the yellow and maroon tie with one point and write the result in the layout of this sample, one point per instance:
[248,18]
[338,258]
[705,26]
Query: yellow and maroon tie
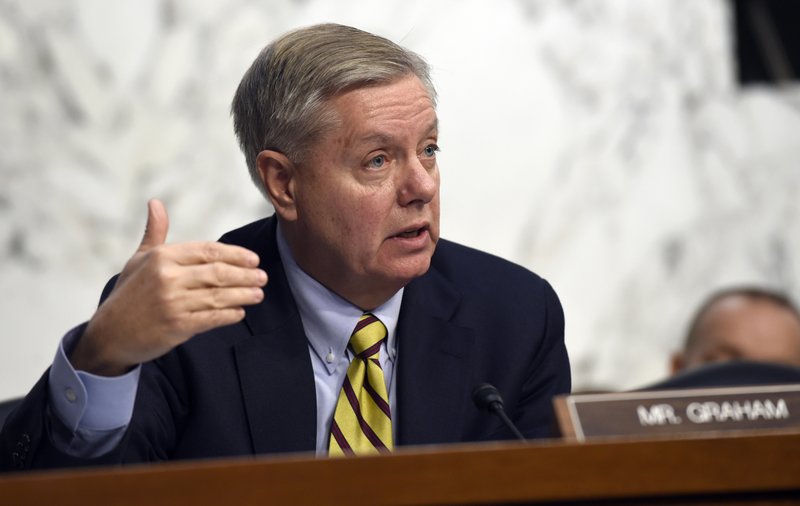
[362,422]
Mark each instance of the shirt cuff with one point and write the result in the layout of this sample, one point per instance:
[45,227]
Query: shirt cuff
[85,401]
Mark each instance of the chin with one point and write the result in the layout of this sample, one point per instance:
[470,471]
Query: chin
[410,272]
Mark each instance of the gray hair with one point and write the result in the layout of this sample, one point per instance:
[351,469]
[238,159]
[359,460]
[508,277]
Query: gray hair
[281,102]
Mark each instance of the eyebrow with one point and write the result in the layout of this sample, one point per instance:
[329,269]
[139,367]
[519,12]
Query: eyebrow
[384,138]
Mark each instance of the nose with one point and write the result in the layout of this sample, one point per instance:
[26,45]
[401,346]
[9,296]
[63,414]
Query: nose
[419,184]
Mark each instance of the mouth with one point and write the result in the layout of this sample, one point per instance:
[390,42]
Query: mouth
[411,232]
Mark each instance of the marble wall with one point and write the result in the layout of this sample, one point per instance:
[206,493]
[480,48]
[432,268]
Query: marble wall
[603,144]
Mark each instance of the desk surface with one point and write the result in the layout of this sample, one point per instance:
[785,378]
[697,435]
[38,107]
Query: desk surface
[746,468]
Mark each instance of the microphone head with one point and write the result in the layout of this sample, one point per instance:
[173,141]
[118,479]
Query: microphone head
[486,397]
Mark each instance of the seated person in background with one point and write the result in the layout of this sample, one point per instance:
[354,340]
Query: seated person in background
[742,324]
[341,325]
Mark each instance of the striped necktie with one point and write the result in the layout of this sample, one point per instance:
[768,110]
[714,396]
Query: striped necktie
[362,422]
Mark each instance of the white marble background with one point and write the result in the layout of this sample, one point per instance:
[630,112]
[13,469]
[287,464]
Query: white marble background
[603,144]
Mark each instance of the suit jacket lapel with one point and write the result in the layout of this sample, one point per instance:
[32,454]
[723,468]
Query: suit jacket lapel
[433,363]
[275,371]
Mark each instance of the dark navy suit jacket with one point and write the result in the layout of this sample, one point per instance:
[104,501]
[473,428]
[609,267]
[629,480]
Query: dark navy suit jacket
[248,388]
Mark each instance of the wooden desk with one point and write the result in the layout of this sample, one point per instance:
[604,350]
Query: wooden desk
[761,468]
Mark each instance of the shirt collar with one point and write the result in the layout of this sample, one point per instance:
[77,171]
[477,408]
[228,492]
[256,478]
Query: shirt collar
[328,319]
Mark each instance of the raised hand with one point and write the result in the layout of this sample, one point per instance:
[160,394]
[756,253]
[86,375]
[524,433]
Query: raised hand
[166,294]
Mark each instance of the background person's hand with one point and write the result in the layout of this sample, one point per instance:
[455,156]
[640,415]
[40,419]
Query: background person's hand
[166,294]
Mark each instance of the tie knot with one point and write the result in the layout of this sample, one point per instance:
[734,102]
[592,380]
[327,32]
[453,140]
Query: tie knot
[367,336]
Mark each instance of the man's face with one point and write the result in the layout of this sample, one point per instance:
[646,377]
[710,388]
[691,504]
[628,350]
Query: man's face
[743,328]
[367,199]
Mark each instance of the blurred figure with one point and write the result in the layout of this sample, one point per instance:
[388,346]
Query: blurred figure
[742,324]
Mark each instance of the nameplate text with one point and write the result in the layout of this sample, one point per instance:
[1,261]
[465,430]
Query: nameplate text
[685,411]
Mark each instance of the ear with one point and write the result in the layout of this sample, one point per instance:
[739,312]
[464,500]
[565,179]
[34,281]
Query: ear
[677,362]
[277,174]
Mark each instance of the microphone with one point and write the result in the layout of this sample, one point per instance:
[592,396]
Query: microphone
[487,398]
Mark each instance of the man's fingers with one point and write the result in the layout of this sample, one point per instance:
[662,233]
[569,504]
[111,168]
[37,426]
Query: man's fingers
[155,231]
[192,253]
[219,274]
[202,299]
[201,321]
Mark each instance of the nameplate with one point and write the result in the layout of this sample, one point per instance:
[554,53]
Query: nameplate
[675,412]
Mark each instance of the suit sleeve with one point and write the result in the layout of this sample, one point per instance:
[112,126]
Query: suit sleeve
[56,425]
[548,374]
[26,441]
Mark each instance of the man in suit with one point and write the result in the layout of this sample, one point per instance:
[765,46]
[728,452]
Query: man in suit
[247,345]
